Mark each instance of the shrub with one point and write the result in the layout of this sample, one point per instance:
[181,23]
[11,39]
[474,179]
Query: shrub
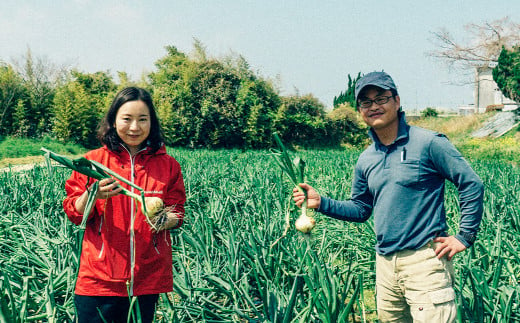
[429,112]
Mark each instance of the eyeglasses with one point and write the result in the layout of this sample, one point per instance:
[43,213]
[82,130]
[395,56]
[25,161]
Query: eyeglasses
[367,103]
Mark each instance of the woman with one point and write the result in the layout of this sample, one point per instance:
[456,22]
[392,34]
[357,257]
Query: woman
[122,256]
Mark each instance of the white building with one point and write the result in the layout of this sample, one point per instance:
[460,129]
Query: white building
[487,92]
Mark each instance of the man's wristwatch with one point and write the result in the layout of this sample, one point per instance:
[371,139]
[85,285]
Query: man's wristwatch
[470,238]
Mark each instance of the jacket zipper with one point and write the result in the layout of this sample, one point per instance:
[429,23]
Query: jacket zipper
[103,243]
[130,284]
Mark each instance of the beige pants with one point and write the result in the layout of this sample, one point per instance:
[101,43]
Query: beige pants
[415,286]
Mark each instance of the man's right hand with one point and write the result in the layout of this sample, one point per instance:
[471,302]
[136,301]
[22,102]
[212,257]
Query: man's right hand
[313,198]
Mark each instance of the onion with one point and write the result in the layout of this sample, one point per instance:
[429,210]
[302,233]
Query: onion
[305,223]
[153,205]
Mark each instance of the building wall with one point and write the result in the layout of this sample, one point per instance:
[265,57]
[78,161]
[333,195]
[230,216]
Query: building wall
[487,92]
[485,89]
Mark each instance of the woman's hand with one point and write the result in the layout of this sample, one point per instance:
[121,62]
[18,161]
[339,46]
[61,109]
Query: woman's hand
[166,221]
[107,188]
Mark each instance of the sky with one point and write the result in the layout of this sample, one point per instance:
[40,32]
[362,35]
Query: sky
[304,46]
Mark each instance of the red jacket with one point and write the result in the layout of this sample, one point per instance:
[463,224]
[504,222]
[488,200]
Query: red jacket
[120,255]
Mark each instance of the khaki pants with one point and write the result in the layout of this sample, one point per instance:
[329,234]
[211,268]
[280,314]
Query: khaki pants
[415,286]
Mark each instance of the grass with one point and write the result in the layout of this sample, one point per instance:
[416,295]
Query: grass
[459,129]
[19,151]
[224,268]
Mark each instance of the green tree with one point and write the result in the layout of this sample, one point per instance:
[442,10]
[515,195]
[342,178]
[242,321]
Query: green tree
[21,118]
[11,92]
[429,112]
[345,126]
[40,80]
[75,117]
[258,102]
[172,95]
[205,102]
[99,86]
[349,95]
[300,120]
[507,73]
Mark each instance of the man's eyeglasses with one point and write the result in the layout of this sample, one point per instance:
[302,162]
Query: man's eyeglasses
[367,103]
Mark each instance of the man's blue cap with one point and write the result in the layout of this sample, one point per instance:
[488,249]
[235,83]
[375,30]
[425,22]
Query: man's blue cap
[379,79]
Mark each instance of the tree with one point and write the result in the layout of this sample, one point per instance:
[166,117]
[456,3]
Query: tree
[40,77]
[429,112]
[484,45]
[300,120]
[349,95]
[171,93]
[345,126]
[507,73]
[99,86]
[205,102]
[79,106]
[12,92]
[258,102]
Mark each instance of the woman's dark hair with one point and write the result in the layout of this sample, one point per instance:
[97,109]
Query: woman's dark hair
[107,133]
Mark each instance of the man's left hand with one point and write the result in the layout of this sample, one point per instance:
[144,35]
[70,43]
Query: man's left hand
[448,246]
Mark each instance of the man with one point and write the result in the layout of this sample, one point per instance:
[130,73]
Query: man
[400,179]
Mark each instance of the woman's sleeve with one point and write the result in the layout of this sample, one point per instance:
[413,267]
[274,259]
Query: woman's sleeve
[176,194]
[74,187]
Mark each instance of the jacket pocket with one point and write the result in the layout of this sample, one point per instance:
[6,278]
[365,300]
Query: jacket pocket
[408,173]
[111,263]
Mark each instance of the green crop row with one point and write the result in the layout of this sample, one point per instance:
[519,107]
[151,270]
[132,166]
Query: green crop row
[226,268]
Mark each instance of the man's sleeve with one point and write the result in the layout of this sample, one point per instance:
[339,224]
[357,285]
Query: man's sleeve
[450,163]
[357,209]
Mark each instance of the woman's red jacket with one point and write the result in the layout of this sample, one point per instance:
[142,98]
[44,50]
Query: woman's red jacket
[121,255]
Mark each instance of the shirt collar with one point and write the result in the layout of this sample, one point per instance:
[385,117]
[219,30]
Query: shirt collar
[402,131]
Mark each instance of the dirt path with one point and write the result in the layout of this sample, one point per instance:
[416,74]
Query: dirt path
[17,168]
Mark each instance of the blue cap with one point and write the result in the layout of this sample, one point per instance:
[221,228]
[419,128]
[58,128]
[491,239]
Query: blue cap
[379,79]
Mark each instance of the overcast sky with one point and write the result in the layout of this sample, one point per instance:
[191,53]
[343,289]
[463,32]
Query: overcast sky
[306,46]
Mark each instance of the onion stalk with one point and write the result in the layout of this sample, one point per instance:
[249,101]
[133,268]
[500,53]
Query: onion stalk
[294,170]
[93,169]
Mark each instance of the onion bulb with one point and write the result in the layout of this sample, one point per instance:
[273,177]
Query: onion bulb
[153,205]
[305,223]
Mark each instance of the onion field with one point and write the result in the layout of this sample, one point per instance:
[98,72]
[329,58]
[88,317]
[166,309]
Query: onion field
[230,261]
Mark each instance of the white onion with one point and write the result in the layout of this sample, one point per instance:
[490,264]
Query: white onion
[305,223]
[153,205]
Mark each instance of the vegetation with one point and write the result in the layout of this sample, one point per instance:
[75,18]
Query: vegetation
[226,267]
[505,149]
[202,102]
[15,150]
[429,113]
[482,44]
[229,265]
[348,97]
[507,73]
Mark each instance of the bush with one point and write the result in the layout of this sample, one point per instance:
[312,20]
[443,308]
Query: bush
[300,120]
[346,127]
[429,112]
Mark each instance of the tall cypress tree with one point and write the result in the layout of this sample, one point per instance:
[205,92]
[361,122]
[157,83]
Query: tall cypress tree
[348,96]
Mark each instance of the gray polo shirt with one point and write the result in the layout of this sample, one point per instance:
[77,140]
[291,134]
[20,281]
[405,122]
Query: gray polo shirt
[402,185]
